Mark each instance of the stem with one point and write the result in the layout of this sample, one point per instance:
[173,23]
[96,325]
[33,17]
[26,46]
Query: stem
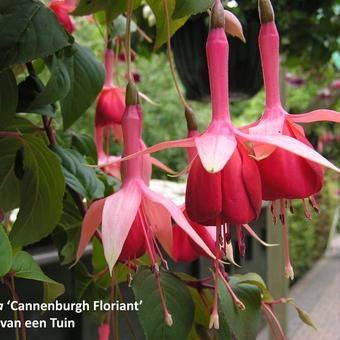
[128,39]
[49,130]
[10,134]
[143,35]
[276,321]
[237,301]
[11,287]
[170,57]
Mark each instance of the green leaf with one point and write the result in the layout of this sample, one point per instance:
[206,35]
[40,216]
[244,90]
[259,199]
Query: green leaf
[29,89]
[86,289]
[158,10]
[78,176]
[29,30]
[87,78]
[85,145]
[8,97]
[25,267]
[112,8]
[243,324]
[5,253]
[190,7]
[67,235]
[42,190]
[86,7]
[56,88]
[9,183]
[256,280]
[178,299]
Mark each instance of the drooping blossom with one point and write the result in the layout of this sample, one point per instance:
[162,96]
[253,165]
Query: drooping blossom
[62,10]
[108,119]
[135,204]
[284,175]
[184,249]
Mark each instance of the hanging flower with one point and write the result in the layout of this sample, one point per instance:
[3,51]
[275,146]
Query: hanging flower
[284,175]
[108,118]
[135,203]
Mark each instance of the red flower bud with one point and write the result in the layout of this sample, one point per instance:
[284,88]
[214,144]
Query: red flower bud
[110,106]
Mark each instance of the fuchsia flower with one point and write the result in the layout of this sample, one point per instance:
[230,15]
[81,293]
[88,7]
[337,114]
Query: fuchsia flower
[183,247]
[62,10]
[135,206]
[284,175]
[109,112]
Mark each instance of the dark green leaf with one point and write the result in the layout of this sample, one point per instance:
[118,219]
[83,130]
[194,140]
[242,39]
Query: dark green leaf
[5,253]
[85,145]
[178,299]
[9,183]
[29,30]
[67,238]
[42,190]
[56,88]
[244,324]
[87,78]
[86,289]
[86,7]
[112,8]
[158,10]
[8,97]
[190,7]
[29,90]
[26,268]
[78,176]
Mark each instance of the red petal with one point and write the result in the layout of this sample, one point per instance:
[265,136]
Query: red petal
[203,197]
[241,189]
